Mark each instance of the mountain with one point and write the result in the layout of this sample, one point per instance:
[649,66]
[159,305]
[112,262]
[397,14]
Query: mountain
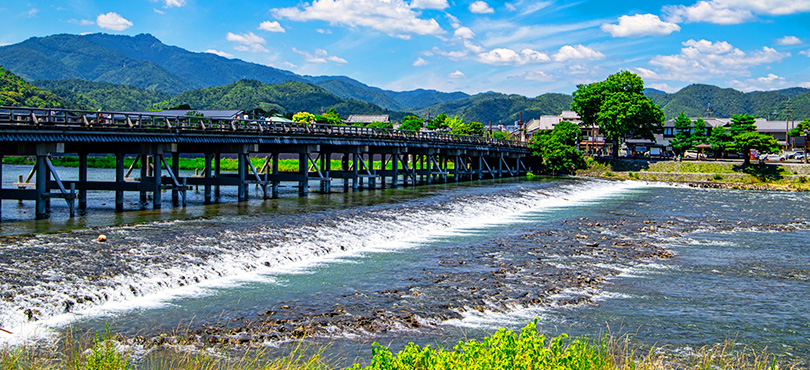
[497,107]
[104,95]
[14,91]
[145,62]
[694,100]
[290,96]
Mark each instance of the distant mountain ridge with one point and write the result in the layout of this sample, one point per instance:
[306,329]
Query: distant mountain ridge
[145,62]
[695,100]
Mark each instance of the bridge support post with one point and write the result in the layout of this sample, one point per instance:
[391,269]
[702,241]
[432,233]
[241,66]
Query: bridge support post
[176,172]
[326,168]
[356,165]
[157,170]
[275,175]
[372,181]
[144,174]
[500,165]
[83,183]
[217,174]
[1,186]
[119,182]
[207,174]
[242,171]
[395,169]
[303,168]
[42,185]
[480,173]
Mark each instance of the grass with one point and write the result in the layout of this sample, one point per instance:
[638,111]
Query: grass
[504,349]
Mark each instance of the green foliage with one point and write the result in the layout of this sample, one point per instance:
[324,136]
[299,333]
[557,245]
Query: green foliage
[495,107]
[683,134]
[411,123]
[746,141]
[802,129]
[556,149]
[695,99]
[720,139]
[439,123]
[618,107]
[700,134]
[378,124]
[742,123]
[502,135]
[303,117]
[14,91]
[503,350]
[103,355]
[103,95]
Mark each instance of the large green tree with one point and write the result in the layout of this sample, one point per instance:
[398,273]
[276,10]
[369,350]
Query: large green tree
[618,106]
[557,150]
[411,123]
[683,134]
[700,132]
[720,140]
[746,141]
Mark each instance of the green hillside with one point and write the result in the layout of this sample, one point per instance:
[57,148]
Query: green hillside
[496,107]
[694,100]
[104,95]
[14,91]
[285,97]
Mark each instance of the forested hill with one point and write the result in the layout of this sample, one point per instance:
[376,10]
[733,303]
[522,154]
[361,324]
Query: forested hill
[14,91]
[694,100]
[104,95]
[145,62]
[501,108]
[285,97]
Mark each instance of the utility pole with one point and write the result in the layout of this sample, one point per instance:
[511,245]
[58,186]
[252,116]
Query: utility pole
[788,124]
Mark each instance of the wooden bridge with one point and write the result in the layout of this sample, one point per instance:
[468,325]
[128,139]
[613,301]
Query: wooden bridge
[378,157]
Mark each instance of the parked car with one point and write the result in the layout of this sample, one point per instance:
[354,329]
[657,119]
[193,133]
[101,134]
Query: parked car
[693,154]
[771,157]
[797,155]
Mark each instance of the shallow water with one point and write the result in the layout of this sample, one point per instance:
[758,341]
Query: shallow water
[737,272]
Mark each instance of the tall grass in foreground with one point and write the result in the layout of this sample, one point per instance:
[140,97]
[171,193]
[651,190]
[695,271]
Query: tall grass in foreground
[501,351]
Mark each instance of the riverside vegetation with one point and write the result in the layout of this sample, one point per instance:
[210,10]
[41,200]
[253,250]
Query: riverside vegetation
[505,349]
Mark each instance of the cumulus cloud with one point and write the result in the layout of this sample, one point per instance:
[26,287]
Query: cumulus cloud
[113,21]
[702,59]
[249,42]
[319,56]
[175,3]
[271,27]
[769,82]
[323,31]
[509,56]
[392,17]
[429,4]
[640,25]
[733,11]
[33,12]
[577,52]
[464,33]
[805,52]
[789,40]
[220,53]
[456,75]
[481,7]
[419,62]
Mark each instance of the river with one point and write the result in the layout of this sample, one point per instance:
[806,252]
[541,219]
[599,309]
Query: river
[676,266]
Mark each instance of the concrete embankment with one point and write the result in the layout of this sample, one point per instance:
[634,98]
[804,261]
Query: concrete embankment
[727,174]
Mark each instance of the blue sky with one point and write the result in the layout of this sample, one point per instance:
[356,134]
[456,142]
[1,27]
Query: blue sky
[518,46]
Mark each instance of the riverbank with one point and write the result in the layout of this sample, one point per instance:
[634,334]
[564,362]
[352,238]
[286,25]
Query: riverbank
[704,174]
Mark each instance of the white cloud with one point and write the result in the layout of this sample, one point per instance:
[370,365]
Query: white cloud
[175,3]
[577,52]
[733,11]
[539,76]
[663,87]
[158,11]
[323,31]
[464,33]
[429,4]
[250,42]
[481,7]
[770,78]
[392,17]
[33,12]
[319,56]
[509,56]
[769,82]
[511,7]
[220,53]
[789,40]
[702,60]
[83,22]
[646,73]
[805,84]
[640,25]
[113,21]
[457,74]
[271,27]
[419,62]
[805,52]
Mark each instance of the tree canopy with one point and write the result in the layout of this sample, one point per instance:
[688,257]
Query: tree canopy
[618,106]
[683,134]
[557,150]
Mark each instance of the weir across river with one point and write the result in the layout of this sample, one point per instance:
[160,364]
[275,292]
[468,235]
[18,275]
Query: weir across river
[373,156]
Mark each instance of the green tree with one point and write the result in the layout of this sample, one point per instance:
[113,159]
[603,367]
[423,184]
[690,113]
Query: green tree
[683,134]
[556,149]
[618,106]
[378,124]
[720,140]
[740,125]
[411,123]
[503,135]
[746,141]
[803,129]
[303,117]
[700,132]
[438,123]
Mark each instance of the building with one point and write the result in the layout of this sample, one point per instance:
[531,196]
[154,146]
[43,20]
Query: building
[591,141]
[366,119]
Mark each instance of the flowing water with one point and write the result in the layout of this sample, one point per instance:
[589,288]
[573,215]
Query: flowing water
[434,264]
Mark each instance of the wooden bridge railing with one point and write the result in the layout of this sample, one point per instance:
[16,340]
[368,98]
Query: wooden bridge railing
[43,118]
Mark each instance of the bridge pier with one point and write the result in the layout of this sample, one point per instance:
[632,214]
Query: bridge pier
[207,176]
[119,182]
[83,182]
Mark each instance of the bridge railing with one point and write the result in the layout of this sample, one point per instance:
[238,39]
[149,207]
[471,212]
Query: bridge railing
[41,118]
